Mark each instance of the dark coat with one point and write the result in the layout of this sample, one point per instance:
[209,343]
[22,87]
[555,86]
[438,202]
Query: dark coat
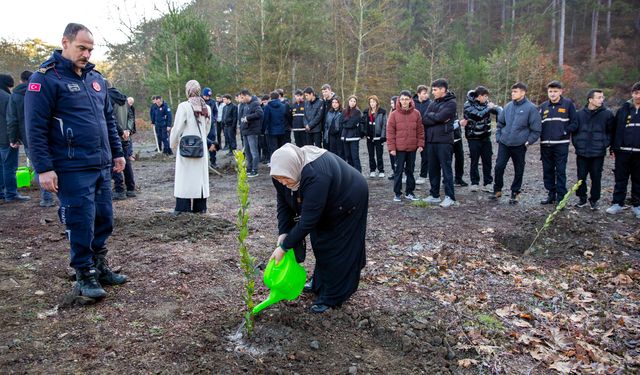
[518,123]
[15,116]
[593,132]
[421,106]
[230,115]
[350,125]
[478,116]
[275,117]
[439,119]
[162,115]
[313,115]
[377,129]
[297,116]
[57,106]
[626,134]
[253,113]
[558,122]
[332,204]
[5,97]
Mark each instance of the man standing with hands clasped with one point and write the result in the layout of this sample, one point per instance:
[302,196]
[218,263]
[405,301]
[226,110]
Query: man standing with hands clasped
[74,145]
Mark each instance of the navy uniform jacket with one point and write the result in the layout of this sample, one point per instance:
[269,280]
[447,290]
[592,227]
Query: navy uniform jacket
[559,120]
[69,120]
[626,134]
[162,116]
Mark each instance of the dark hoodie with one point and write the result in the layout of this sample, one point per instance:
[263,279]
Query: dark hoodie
[15,116]
[275,117]
[439,119]
[6,82]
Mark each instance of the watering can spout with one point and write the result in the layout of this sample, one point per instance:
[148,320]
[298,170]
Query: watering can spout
[266,303]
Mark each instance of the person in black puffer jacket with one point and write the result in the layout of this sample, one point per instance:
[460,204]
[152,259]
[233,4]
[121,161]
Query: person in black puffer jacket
[594,124]
[374,120]
[351,132]
[477,130]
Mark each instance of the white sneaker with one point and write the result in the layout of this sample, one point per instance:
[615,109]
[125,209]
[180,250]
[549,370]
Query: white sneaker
[448,202]
[614,209]
[372,174]
[636,211]
[420,181]
[431,199]
[381,174]
[412,197]
[474,188]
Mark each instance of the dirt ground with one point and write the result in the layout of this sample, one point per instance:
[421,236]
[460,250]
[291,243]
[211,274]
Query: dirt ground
[445,291]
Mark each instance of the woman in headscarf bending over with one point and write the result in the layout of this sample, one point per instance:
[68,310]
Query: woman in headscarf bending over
[192,118]
[321,195]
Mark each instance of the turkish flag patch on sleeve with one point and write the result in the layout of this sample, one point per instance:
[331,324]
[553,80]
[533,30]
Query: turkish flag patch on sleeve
[34,87]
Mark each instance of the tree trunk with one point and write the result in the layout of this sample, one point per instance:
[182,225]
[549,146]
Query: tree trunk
[503,18]
[573,28]
[553,23]
[360,51]
[470,14]
[261,57]
[594,31]
[608,35]
[561,38]
[175,50]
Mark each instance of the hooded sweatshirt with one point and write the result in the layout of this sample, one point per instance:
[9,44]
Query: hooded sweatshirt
[5,94]
[15,116]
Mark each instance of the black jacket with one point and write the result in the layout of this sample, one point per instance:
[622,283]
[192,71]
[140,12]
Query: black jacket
[478,118]
[5,97]
[15,116]
[626,134]
[439,119]
[421,106]
[377,129]
[313,115]
[230,115]
[593,132]
[558,122]
[297,116]
[350,128]
[253,113]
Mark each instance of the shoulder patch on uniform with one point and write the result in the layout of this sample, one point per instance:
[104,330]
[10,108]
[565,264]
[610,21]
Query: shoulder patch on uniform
[547,111]
[44,69]
[35,87]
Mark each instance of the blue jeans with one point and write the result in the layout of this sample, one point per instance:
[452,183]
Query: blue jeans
[251,152]
[9,162]
[86,211]
[44,195]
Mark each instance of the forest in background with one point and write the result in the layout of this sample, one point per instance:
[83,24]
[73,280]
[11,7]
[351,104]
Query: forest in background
[366,47]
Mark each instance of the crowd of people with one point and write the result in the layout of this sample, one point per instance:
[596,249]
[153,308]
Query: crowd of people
[317,173]
[417,124]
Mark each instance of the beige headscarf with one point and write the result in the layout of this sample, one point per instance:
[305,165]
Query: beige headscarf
[288,161]
[194,98]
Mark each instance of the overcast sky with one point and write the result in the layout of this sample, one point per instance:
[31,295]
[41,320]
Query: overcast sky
[46,20]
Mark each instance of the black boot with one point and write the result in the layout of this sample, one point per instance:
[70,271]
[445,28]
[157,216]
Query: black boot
[551,199]
[87,283]
[108,277]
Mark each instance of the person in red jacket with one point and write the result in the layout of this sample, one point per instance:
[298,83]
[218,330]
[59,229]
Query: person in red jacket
[405,136]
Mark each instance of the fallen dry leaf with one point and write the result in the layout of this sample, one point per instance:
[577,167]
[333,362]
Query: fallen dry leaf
[467,362]
[562,366]
[560,340]
[622,279]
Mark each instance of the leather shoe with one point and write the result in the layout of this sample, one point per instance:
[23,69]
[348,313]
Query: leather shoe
[319,309]
[549,200]
[308,287]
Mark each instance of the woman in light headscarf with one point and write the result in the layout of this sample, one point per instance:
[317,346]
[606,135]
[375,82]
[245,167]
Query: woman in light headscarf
[192,118]
[320,195]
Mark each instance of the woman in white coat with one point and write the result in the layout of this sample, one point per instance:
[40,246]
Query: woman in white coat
[192,118]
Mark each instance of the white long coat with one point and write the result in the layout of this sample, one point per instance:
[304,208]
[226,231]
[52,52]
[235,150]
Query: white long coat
[192,174]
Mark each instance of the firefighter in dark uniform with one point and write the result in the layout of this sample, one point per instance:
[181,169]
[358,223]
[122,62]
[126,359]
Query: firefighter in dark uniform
[559,120]
[74,146]
[162,123]
[297,119]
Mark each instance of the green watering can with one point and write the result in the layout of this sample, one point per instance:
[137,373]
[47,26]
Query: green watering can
[24,176]
[285,280]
